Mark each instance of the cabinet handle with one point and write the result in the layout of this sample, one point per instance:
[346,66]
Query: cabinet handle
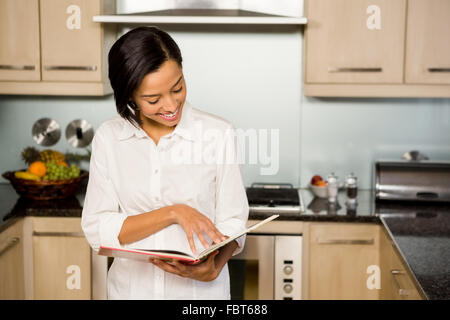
[9,243]
[70,68]
[334,69]
[401,291]
[345,241]
[58,234]
[13,67]
[438,69]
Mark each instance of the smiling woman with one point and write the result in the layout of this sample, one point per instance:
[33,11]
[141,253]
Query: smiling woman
[160,98]
[145,70]
[139,195]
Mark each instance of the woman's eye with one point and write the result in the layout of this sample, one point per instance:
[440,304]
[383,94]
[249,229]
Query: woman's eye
[179,90]
[153,102]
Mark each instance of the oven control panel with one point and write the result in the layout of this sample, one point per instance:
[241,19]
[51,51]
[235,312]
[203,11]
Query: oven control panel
[288,267]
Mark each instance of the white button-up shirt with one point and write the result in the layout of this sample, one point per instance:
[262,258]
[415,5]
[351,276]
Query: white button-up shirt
[196,164]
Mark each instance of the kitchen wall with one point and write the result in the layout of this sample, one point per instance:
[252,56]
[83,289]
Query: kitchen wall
[345,135]
[252,76]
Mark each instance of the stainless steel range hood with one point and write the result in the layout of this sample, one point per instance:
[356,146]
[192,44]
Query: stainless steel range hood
[209,12]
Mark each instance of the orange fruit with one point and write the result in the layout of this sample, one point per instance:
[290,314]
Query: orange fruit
[62,163]
[321,183]
[38,168]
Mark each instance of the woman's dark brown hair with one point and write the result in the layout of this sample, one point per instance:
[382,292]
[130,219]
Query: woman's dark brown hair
[134,55]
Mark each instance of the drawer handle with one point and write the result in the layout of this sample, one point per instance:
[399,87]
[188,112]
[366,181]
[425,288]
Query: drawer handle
[334,69]
[401,291]
[438,69]
[58,234]
[70,68]
[13,67]
[9,243]
[427,195]
[345,241]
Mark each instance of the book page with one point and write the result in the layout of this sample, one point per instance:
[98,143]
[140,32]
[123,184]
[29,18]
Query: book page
[235,236]
[172,238]
[144,255]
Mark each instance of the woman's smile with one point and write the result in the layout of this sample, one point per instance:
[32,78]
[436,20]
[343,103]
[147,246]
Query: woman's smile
[170,116]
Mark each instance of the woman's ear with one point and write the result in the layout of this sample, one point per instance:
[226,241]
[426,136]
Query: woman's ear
[133,105]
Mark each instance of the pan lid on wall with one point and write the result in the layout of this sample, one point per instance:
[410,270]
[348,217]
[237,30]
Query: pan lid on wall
[46,132]
[79,133]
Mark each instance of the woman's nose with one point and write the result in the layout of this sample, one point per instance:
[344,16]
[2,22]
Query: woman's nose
[170,104]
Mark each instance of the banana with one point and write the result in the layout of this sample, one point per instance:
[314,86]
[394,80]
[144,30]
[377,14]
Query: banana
[26,175]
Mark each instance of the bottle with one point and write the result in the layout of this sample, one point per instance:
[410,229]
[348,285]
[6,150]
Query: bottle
[332,208]
[352,188]
[332,187]
[351,207]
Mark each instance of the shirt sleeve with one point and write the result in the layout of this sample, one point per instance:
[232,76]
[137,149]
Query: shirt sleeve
[231,199]
[101,219]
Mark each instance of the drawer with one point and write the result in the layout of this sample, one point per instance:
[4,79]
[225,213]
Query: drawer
[343,234]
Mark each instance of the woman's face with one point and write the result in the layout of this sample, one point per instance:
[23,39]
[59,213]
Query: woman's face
[161,95]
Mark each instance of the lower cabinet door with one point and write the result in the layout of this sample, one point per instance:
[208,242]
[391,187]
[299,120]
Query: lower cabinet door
[11,263]
[396,282]
[402,285]
[62,267]
[343,261]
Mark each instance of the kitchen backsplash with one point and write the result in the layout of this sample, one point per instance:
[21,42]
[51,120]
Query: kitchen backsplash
[252,76]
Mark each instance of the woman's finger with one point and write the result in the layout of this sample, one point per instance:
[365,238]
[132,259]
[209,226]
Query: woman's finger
[202,239]
[219,237]
[213,254]
[210,263]
[182,268]
[215,235]
[191,241]
[210,258]
[165,266]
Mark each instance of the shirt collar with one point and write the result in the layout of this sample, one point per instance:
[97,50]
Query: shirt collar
[185,128]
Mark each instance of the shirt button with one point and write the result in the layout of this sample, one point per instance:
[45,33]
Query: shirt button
[156,171]
[156,198]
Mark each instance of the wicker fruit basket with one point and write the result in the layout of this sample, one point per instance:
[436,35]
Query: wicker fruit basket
[46,190]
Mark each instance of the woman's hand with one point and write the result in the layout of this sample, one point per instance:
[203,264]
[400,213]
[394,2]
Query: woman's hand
[204,271]
[192,222]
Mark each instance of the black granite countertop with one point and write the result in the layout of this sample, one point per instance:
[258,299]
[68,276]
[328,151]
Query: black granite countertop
[318,209]
[421,232]
[13,206]
[422,235]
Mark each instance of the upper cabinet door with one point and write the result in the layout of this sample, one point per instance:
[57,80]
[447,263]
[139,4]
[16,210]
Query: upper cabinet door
[19,40]
[428,42]
[71,41]
[355,41]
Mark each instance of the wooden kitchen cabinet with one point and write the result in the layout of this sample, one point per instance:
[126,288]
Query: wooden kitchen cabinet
[428,42]
[71,47]
[339,257]
[347,41]
[397,282]
[49,258]
[19,40]
[12,263]
[380,48]
[65,53]
[61,259]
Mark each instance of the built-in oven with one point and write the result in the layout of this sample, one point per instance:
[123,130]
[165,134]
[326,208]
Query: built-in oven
[270,265]
[268,268]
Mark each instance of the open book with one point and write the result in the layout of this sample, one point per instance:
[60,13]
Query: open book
[145,255]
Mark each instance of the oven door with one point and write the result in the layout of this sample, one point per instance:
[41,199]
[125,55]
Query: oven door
[252,270]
